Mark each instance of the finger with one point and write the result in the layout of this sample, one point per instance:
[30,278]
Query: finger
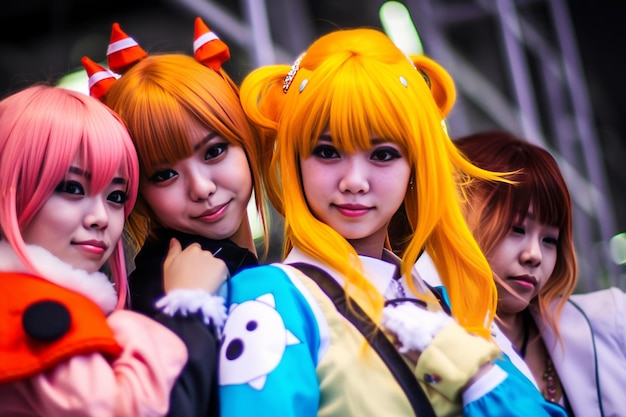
[174,250]
[195,246]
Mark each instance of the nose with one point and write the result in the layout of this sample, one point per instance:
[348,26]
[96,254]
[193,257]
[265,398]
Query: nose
[97,216]
[355,178]
[201,186]
[531,253]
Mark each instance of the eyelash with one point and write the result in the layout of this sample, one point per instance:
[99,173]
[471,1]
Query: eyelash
[388,153]
[123,197]
[65,186]
[221,147]
[76,188]
[161,176]
[521,230]
[325,152]
[212,152]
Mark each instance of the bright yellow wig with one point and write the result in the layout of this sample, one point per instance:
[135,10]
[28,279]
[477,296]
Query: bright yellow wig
[357,83]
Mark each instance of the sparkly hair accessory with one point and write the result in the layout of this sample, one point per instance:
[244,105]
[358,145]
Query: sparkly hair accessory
[100,78]
[292,73]
[123,51]
[208,48]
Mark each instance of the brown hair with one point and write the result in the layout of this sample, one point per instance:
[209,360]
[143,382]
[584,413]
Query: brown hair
[494,207]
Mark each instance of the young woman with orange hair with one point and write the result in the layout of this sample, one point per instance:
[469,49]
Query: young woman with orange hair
[198,158]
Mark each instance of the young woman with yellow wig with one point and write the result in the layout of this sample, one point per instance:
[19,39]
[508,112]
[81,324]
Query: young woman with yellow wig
[353,138]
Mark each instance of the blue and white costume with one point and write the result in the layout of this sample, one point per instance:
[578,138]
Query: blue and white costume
[287,351]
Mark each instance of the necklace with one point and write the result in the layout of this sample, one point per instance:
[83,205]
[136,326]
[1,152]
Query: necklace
[549,375]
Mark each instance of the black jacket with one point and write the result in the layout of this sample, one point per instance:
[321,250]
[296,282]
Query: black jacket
[146,281]
[195,393]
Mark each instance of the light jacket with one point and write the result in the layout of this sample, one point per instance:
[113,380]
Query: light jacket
[65,351]
[591,361]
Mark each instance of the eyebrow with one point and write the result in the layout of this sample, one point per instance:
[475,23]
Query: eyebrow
[374,141]
[78,171]
[204,141]
[83,173]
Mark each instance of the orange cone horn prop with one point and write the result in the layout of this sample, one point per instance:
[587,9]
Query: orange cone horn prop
[100,78]
[208,48]
[123,51]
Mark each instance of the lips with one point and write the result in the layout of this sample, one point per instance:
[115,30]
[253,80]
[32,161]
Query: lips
[352,210]
[525,280]
[213,213]
[97,247]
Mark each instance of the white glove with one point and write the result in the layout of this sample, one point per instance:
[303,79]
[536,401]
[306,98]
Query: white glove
[413,326]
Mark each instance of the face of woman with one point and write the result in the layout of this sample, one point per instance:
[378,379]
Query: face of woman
[80,227]
[356,194]
[525,259]
[206,194]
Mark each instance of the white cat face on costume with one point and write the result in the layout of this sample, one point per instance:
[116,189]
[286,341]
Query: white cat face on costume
[254,340]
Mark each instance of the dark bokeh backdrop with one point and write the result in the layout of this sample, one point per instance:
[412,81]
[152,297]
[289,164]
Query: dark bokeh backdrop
[42,40]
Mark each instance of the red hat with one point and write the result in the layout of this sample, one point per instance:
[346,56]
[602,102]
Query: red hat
[123,51]
[208,48]
[100,78]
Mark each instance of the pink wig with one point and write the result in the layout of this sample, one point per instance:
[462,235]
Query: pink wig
[42,130]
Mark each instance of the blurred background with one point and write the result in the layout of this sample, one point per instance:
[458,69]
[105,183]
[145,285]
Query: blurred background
[547,70]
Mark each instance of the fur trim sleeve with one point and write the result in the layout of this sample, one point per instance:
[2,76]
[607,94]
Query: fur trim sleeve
[186,302]
[414,327]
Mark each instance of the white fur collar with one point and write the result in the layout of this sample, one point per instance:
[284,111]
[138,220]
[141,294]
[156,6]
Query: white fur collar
[96,286]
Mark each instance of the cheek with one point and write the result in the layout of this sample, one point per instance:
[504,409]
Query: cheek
[395,190]
[162,200]
[317,191]
[548,264]
[238,179]
[394,184]
[317,178]
[498,259]
[117,219]
[49,225]
[238,170]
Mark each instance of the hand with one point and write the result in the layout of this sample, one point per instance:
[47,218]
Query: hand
[192,268]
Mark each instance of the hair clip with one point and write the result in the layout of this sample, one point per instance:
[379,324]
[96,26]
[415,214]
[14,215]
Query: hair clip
[100,78]
[303,84]
[123,51]
[292,73]
[208,48]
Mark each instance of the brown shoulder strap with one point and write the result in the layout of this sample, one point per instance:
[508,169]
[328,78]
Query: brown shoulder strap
[385,349]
